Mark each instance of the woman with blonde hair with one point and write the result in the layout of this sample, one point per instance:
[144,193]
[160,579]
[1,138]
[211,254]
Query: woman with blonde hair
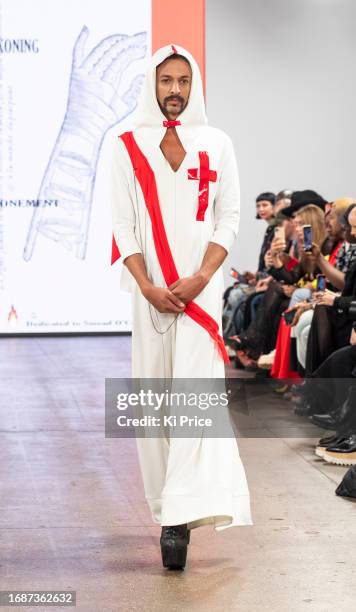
[334,268]
[261,335]
[304,271]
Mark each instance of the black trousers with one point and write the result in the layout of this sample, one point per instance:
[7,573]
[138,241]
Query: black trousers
[329,332]
[330,384]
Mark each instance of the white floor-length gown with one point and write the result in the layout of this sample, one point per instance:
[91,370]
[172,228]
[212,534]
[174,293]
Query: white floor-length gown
[186,480]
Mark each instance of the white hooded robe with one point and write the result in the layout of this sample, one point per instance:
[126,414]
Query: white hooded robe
[186,480]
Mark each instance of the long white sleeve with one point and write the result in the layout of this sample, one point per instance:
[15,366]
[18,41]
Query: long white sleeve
[227,200]
[122,207]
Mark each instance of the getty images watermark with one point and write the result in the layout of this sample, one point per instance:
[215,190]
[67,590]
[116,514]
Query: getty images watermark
[168,407]
[218,408]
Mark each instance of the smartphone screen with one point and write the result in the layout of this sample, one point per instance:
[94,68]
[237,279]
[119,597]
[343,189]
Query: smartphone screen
[289,316]
[307,237]
[279,232]
[321,282]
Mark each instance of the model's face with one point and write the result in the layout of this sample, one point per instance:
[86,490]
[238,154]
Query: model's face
[264,209]
[173,84]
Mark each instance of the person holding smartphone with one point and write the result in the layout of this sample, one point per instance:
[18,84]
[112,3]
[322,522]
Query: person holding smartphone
[333,267]
[331,326]
[313,217]
[299,282]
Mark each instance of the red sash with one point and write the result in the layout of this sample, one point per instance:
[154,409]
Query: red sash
[146,179]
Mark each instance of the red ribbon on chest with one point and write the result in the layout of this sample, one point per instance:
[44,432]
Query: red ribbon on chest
[204,175]
[147,181]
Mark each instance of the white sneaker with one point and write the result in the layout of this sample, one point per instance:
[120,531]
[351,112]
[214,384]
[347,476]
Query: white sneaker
[266,361]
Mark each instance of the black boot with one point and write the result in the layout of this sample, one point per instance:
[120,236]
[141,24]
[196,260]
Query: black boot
[308,403]
[310,400]
[304,408]
[174,542]
[337,419]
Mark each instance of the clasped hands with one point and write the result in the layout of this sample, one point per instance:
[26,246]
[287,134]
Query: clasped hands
[173,299]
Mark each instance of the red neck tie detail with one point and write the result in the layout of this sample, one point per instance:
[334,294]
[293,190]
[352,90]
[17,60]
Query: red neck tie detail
[169,124]
[174,49]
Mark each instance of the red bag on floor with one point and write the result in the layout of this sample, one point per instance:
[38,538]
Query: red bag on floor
[281,363]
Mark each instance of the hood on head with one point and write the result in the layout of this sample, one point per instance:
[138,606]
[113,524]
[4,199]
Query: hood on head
[149,114]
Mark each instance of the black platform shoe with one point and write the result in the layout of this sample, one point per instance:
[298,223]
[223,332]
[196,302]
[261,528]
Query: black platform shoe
[324,443]
[333,439]
[343,453]
[174,542]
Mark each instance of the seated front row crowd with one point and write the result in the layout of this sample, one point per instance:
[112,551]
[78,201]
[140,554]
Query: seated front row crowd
[296,315]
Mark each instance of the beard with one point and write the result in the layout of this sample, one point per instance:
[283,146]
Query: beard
[168,99]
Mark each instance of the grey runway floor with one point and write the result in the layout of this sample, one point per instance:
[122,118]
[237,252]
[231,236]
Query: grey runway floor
[73,514]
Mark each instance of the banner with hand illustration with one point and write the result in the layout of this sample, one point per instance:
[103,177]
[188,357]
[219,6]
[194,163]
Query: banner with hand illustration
[70,76]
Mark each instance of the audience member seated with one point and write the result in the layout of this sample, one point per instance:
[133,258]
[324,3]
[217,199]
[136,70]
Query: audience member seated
[260,337]
[323,330]
[292,340]
[241,302]
[331,327]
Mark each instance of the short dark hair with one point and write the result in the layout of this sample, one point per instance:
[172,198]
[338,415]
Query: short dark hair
[268,196]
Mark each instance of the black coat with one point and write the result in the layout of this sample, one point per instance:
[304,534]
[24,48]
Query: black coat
[348,295]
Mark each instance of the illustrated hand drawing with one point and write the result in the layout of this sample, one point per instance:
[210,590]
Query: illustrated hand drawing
[95,104]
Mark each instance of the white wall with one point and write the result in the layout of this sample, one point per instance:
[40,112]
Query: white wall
[281,81]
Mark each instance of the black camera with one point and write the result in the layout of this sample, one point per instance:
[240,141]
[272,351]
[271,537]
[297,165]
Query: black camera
[352,314]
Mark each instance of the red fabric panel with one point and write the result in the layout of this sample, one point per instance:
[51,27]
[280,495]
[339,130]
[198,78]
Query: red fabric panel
[115,253]
[281,363]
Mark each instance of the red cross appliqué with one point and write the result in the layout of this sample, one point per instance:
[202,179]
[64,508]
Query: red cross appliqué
[204,175]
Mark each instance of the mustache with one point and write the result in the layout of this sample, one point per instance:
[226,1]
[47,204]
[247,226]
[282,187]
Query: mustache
[173,98]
